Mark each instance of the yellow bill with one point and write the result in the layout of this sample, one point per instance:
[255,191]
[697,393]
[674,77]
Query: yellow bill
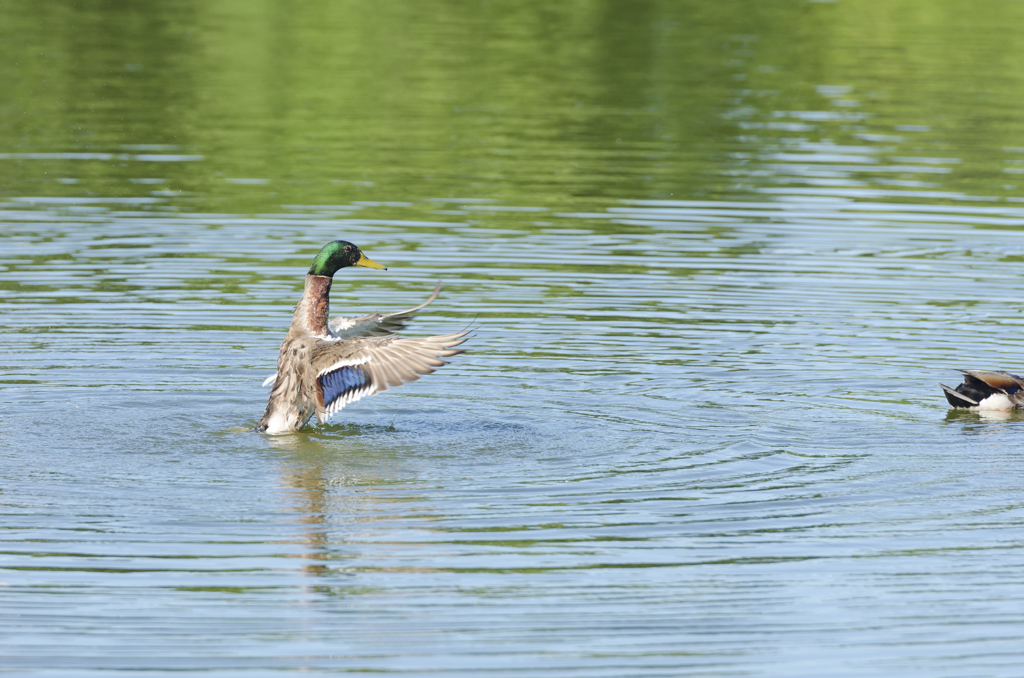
[365,261]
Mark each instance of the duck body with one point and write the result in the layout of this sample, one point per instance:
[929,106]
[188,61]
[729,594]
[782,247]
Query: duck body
[293,397]
[320,369]
[987,390]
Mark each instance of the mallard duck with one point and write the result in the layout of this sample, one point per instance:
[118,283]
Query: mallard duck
[987,390]
[323,366]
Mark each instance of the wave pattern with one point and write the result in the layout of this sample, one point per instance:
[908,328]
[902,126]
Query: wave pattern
[689,438]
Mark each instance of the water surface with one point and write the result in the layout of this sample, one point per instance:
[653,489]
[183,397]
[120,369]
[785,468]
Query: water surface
[717,259]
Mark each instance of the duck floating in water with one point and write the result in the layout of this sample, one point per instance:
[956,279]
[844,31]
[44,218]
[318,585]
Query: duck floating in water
[987,390]
[323,366]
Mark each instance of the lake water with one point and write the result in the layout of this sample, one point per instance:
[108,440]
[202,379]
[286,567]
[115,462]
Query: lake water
[717,255]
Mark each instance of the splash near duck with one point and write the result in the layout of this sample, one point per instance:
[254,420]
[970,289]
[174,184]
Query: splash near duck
[324,364]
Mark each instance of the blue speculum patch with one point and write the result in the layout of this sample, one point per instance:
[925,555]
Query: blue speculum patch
[339,382]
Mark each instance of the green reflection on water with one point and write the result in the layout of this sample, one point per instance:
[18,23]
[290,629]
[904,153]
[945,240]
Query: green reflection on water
[247,107]
[327,102]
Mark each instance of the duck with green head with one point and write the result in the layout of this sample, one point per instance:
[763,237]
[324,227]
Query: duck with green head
[324,365]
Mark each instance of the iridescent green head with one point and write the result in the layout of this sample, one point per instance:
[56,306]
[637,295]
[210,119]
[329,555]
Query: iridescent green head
[339,254]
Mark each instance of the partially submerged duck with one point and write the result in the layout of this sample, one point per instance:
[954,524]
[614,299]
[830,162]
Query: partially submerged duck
[324,365]
[987,390]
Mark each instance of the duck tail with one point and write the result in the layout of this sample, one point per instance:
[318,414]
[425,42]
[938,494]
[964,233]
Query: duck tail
[957,399]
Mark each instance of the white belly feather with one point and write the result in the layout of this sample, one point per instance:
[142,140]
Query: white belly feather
[996,401]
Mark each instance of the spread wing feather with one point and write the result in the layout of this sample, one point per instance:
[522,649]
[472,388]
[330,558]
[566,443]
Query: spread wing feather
[372,325]
[349,369]
[376,324]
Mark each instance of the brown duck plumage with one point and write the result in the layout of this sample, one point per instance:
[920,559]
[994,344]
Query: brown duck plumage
[321,369]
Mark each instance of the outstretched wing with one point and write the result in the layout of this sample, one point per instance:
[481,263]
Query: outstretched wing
[372,325]
[375,324]
[349,369]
